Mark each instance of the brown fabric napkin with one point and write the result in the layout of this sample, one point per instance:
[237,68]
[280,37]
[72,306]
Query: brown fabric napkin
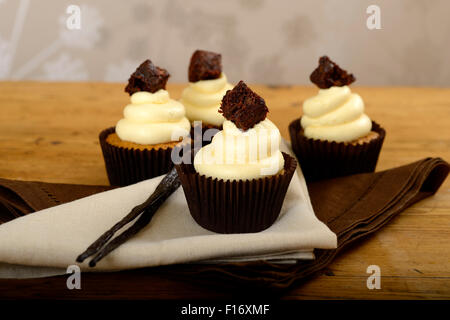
[352,207]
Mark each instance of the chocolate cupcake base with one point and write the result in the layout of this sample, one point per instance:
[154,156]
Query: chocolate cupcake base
[238,206]
[320,159]
[126,166]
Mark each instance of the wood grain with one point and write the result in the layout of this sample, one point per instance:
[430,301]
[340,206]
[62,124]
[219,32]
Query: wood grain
[49,132]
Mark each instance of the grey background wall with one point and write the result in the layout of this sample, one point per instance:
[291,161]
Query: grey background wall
[262,41]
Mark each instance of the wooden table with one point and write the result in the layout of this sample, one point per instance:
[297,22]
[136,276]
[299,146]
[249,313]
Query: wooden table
[49,132]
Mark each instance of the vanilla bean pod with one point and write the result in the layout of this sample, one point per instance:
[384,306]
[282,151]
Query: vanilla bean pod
[143,220]
[164,189]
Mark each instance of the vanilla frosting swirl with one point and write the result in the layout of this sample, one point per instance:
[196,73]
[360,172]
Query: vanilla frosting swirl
[202,99]
[153,118]
[335,114]
[234,154]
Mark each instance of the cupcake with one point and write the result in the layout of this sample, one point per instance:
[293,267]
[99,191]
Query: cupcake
[238,182]
[139,147]
[207,86]
[334,137]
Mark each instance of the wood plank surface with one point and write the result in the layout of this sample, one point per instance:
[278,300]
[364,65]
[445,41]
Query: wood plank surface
[49,132]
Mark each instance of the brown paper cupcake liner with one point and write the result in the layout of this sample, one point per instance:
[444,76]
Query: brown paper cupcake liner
[241,206]
[126,166]
[205,127]
[320,159]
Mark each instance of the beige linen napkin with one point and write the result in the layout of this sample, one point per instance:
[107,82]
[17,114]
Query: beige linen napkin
[55,236]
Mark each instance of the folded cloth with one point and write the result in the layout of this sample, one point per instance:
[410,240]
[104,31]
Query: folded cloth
[55,236]
[353,207]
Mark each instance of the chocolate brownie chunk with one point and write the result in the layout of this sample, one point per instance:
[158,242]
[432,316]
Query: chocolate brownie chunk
[147,77]
[329,74]
[204,65]
[244,107]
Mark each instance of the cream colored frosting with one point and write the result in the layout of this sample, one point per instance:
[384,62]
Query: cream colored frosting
[234,154]
[335,114]
[202,100]
[153,118]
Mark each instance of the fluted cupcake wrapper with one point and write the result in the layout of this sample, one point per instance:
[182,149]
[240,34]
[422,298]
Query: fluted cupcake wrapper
[205,127]
[126,166]
[238,206]
[320,159]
